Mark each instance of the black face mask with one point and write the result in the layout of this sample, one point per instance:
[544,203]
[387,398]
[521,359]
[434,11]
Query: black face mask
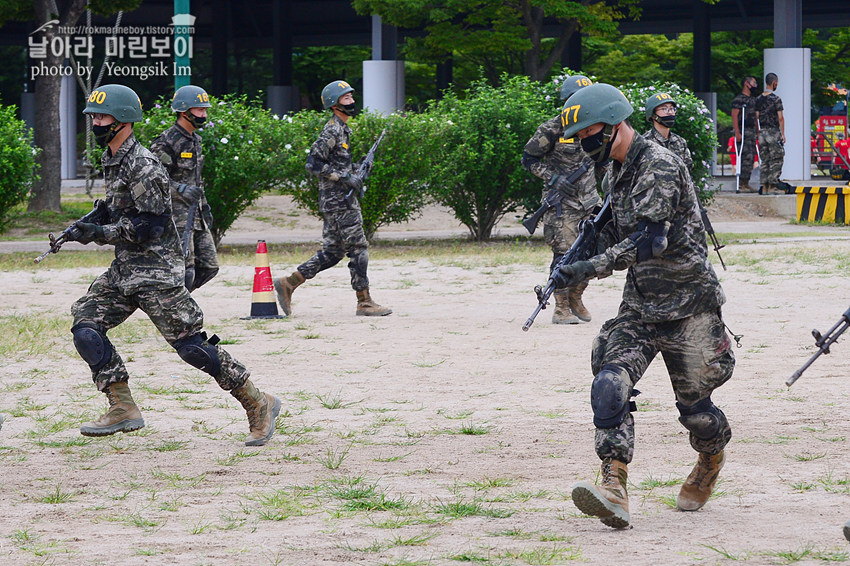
[666,121]
[196,121]
[596,147]
[348,109]
[104,134]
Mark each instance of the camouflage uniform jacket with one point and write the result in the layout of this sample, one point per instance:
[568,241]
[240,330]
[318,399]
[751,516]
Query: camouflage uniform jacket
[750,117]
[330,160]
[675,143]
[547,153]
[136,183]
[183,158]
[769,106]
[653,185]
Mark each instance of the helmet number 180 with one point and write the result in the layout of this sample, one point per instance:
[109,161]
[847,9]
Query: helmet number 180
[97,96]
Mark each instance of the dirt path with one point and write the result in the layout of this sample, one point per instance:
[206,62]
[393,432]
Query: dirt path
[441,434]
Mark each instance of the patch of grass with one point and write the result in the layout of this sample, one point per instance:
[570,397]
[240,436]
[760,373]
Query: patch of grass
[332,458]
[461,508]
[58,496]
[489,483]
[361,495]
[334,401]
[555,555]
[280,504]
[651,482]
[170,446]
[236,457]
[474,429]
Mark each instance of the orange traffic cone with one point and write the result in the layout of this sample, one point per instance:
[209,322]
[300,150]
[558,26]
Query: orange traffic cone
[263,303]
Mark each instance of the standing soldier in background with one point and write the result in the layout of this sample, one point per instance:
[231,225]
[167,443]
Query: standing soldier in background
[179,150]
[771,123]
[744,122]
[147,274]
[661,115]
[671,305]
[342,233]
[552,158]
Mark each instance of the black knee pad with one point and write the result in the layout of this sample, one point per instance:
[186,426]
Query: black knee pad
[203,275]
[359,263]
[200,352]
[609,396]
[92,344]
[703,419]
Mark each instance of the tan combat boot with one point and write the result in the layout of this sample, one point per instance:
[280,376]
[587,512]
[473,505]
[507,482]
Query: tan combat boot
[746,188]
[576,305]
[562,313]
[698,487]
[262,410]
[367,307]
[609,500]
[123,414]
[284,287]
[847,530]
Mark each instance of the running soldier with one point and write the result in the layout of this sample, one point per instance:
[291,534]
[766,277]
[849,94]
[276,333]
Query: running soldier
[179,150]
[771,136]
[147,274]
[342,234]
[671,304]
[552,158]
[744,123]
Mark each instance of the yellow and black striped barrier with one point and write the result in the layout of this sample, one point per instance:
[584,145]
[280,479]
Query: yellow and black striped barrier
[823,204]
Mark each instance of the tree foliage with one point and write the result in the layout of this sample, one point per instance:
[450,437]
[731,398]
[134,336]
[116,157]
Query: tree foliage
[499,36]
[17,161]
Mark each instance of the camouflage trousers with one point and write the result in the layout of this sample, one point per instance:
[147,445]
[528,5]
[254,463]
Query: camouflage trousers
[748,155]
[699,359]
[172,310]
[560,233]
[342,234]
[772,155]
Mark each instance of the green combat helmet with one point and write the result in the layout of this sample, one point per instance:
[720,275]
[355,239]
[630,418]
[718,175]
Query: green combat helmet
[118,101]
[597,103]
[332,92]
[657,100]
[572,84]
[190,96]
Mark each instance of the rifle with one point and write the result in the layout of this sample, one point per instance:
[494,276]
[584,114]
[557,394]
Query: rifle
[186,238]
[710,231]
[583,248]
[98,214]
[553,199]
[823,342]
[365,166]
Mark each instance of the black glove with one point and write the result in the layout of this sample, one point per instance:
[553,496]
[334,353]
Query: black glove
[367,170]
[573,274]
[560,183]
[190,193]
[353,180]
[206,214]
[86,233]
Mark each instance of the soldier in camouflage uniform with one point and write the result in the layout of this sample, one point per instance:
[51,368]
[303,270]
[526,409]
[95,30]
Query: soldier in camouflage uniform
[147,274]
[552,158]
[771,123]
[661,115]
[342,234]
[743,106]
[179,150]
[671,304]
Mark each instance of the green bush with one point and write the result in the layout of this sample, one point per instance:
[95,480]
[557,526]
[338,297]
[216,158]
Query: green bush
[395,189]
[693,122]
[476,170]
[242,144]
[17,162]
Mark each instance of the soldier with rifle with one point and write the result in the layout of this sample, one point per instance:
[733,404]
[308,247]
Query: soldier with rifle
[340,190]
[147,274]
[179,150]
[569,196]
[671,304]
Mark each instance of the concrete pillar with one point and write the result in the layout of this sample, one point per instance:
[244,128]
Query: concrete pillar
[793,67]
[282,96]
[182,21]
[383,76]
[787,23]
[68,126]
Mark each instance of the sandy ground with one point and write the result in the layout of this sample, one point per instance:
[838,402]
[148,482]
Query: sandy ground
[444,408]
